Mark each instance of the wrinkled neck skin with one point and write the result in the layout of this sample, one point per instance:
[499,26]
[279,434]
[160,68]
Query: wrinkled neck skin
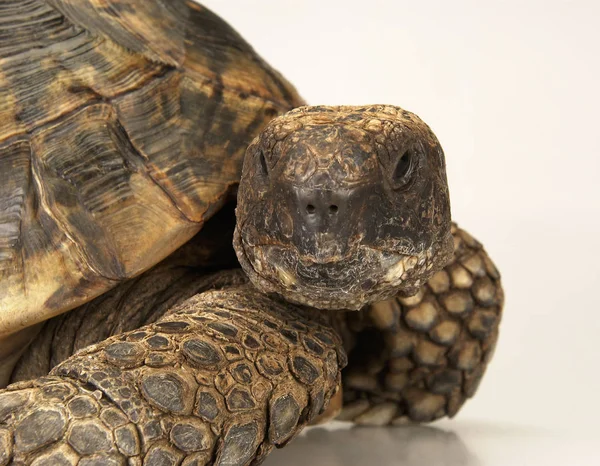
[12,347]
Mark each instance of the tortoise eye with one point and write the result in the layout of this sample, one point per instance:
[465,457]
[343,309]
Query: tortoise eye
[264,168]
[403,168]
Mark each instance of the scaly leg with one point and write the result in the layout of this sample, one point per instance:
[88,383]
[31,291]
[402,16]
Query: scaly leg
[198,266]
[220,379]
[418,359]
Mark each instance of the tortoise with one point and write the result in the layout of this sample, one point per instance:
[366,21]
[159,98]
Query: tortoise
[130,130]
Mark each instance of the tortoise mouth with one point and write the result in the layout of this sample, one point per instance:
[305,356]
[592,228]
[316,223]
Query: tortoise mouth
[362,276]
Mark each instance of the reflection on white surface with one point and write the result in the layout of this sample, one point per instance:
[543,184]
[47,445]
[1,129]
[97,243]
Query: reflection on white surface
[406,446]
[449,443]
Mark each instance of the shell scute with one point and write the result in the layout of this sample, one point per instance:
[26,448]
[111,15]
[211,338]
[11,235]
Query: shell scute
[123,126]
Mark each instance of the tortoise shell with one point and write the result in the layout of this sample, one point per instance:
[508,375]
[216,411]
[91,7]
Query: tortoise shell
[123,125]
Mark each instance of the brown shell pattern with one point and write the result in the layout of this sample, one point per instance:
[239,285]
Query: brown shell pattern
[123,125]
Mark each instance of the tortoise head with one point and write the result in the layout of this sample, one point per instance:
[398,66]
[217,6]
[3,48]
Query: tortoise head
[339,207]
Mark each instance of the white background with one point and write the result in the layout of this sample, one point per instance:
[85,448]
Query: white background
[511,90]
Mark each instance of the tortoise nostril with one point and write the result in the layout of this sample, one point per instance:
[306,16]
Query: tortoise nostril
[310,209]
[333,209]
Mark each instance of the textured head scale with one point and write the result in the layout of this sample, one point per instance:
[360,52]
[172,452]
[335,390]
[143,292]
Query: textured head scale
[342,206]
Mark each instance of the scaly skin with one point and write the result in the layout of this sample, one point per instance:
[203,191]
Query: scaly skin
[388,380]
[199,265]
[220,379]
[339,207]
[419,359]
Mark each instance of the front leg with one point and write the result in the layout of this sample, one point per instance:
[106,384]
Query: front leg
[420,358]
[220,379]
